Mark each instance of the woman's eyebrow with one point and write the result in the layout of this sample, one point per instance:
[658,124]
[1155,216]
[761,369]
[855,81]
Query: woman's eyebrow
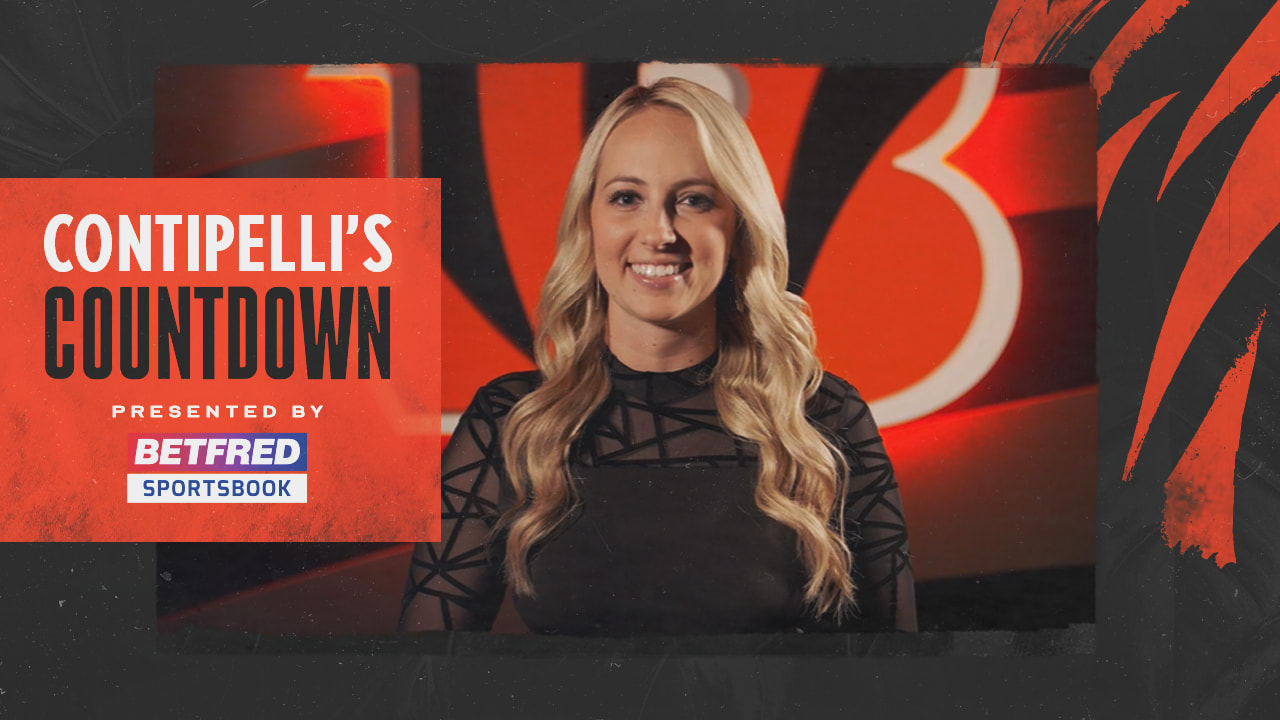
[692,181]
[676,186]
[627,179]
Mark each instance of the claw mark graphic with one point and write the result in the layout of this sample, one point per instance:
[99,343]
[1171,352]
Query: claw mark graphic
[1200,493]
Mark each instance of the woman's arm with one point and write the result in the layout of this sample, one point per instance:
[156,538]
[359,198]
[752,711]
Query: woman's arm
[455,584]
[875,527]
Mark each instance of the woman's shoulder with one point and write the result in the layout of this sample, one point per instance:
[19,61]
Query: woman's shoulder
[500,394]
[838,406]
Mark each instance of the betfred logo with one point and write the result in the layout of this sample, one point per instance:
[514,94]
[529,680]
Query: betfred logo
[218,468]
[275,451]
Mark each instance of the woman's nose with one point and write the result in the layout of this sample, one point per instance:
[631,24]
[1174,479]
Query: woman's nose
[659,231]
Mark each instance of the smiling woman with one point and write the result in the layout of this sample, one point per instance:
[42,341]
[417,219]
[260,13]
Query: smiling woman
[679,463]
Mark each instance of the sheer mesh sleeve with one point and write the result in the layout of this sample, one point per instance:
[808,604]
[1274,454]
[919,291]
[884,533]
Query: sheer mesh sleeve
[456,584]
[874,523]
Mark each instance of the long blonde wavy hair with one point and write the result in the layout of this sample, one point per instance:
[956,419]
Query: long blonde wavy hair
[767,368]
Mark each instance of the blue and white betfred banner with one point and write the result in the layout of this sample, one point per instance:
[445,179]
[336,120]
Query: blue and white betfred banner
[217,468]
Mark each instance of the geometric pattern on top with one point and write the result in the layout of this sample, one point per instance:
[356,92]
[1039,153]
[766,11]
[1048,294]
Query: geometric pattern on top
[650,420]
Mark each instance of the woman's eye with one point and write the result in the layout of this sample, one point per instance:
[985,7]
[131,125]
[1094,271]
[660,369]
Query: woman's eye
[624,198]
[697,201]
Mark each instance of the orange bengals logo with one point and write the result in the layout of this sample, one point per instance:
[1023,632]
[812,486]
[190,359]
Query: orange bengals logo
[909,196]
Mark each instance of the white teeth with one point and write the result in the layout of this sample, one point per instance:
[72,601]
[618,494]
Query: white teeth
[655,270]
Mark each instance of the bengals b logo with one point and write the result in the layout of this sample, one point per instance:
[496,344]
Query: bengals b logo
[940,222]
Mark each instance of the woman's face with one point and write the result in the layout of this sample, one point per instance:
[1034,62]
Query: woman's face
[661,229]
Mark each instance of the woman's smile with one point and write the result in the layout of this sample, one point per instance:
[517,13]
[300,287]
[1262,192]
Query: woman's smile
[659,276]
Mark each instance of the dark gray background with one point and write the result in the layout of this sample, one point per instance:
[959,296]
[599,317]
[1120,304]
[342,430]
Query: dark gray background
[1175,637]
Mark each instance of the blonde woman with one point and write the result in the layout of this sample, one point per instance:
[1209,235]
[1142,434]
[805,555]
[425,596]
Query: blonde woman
[679,463]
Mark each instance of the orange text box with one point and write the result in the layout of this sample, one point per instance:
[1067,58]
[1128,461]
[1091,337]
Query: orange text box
[371,419]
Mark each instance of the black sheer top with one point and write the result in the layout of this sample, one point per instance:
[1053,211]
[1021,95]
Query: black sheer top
[666,537]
